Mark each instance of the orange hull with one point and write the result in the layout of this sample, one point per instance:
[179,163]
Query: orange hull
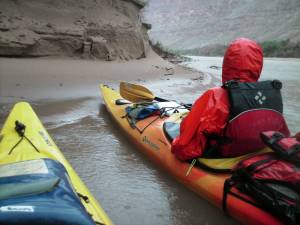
[156,146]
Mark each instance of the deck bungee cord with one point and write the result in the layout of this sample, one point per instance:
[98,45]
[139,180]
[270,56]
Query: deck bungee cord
[20,129]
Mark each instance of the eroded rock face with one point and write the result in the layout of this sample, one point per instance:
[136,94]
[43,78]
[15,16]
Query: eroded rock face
[102,29]
[193,24]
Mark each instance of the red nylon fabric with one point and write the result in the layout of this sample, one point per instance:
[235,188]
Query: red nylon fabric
[243,61]
[297,136]
[209,114]
[245,138]
[284,144]
[274,170]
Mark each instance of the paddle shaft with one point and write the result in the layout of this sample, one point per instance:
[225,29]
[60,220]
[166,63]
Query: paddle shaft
[160,99]
[188,106]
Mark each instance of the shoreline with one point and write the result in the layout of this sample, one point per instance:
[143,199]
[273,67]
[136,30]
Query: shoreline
[59,82]
[56,78]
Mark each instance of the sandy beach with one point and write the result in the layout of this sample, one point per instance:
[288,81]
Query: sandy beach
[57,79]
[52,78]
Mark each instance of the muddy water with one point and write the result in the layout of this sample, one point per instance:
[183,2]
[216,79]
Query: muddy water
[131,188]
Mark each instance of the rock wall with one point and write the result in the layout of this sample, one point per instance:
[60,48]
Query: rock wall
[102,29]
[190,24]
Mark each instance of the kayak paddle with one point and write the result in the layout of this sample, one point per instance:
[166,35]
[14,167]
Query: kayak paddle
[137,93]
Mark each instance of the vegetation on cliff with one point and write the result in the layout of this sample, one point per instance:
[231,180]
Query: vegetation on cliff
[283,48]
[140,3]
[168,54]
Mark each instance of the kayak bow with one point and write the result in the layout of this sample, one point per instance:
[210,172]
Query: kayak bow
[39,185]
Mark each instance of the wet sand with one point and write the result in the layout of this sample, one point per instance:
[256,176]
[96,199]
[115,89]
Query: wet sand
[65,95]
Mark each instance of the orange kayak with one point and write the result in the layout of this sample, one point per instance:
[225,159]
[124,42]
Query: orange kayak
[155,144]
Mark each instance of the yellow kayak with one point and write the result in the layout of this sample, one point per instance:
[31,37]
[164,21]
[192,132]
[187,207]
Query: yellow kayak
[151,135]
[37,184]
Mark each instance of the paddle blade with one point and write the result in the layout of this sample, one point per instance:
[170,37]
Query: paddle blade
[135,92]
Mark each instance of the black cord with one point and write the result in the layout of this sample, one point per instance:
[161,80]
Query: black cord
[11,150]
[20,129]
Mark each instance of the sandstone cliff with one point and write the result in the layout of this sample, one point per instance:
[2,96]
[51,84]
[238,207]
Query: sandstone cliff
[104,29]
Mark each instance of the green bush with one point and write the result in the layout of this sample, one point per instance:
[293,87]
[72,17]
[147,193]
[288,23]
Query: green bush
[158,46]
[283,48]
[141,3]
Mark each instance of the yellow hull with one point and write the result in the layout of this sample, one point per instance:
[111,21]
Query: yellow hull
[154,143]
[40,138]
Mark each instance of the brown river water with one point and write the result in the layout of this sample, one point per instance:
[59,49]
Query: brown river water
[131,189]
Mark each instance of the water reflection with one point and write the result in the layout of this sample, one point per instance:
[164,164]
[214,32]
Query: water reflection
[131,188]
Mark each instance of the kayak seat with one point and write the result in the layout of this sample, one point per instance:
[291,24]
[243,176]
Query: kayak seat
[171,130]
[225,165]
[218,165]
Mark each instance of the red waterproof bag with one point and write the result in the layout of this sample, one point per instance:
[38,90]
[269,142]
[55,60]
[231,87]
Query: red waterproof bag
[272,179]
[287,147]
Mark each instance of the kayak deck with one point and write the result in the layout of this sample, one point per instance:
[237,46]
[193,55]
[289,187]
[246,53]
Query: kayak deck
[154,143]
[37,144]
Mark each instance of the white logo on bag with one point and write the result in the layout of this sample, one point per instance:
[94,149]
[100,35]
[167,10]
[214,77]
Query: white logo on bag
[260,98]
[17,208]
